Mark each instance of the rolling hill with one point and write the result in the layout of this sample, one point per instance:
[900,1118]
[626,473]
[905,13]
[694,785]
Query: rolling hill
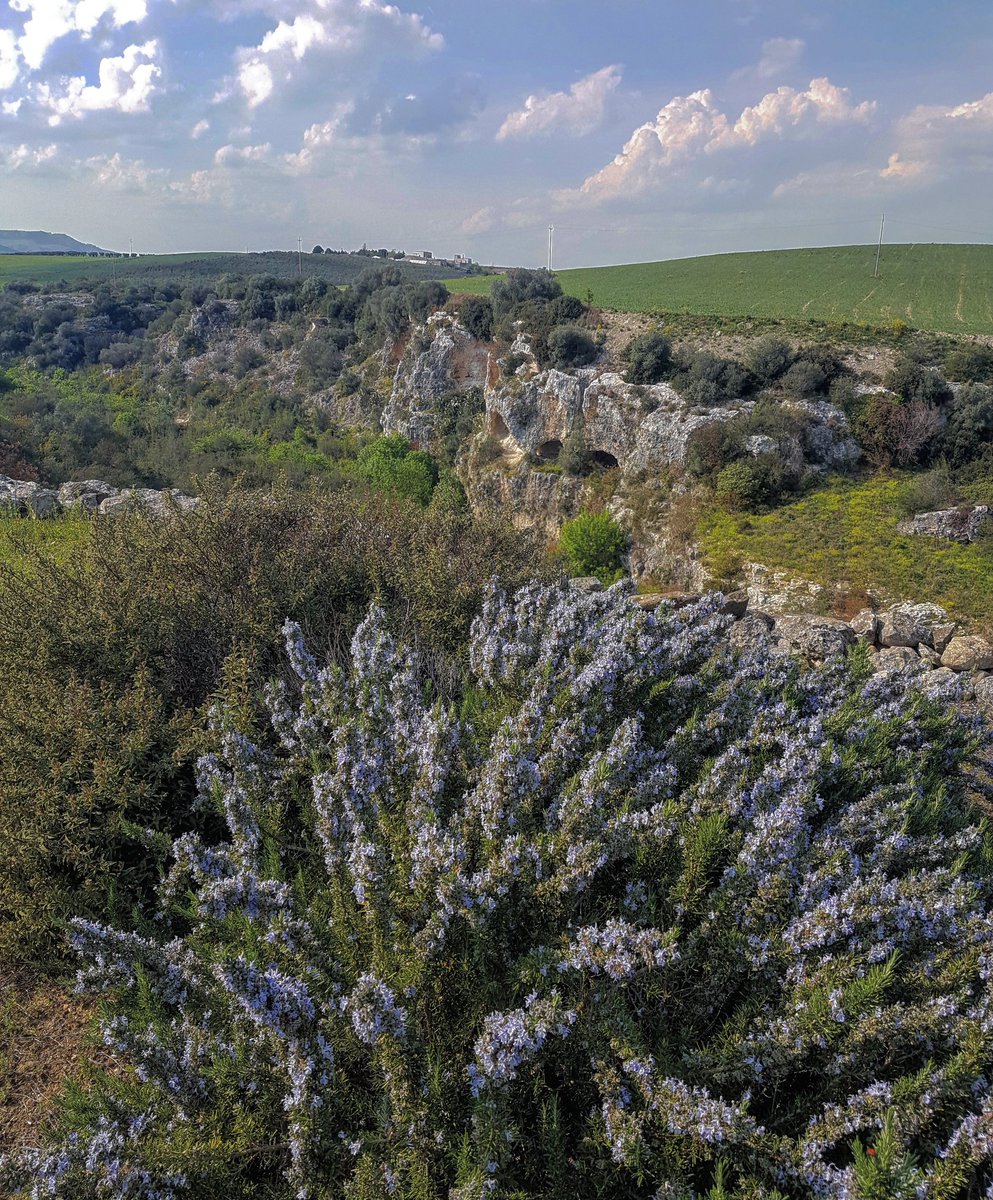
[21,241]
[335,269]
[943,288]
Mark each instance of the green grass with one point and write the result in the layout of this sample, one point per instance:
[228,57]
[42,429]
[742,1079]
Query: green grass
[946,289]
[72,269]
[845,535]
[59,536]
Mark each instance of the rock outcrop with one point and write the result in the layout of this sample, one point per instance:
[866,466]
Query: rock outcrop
[26,499]
[963,524]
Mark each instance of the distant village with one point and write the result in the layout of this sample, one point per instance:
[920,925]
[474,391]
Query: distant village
[423,258]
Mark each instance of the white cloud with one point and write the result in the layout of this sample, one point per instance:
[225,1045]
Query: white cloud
[27,156]
[689,127]
[234,156]
[579,110]
[127,84]
[199,129]
[938,139]
[344,27]
[778,55]
[901,168]
[49,20]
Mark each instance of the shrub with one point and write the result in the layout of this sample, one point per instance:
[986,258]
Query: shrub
[769,358]
[970,364]
[898,433]
[594,544]
[569,346]
[476,314]
[738,486]
[648,358]
[708,380]
[970,424]
[913,381]
[642,919]
[519,286]
[390,466]
[110,653]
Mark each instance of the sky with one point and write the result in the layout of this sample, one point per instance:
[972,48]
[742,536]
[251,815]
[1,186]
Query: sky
[639,129]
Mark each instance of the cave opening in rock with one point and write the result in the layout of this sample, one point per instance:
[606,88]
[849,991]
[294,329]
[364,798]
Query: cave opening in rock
[549,451]
[601,460]
[498,426]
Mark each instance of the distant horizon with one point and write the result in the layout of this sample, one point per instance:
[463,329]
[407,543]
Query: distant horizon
[631,262]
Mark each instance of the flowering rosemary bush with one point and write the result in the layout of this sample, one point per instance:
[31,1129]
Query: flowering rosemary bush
[641,918]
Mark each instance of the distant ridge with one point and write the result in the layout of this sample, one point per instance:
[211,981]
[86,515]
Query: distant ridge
[20,241]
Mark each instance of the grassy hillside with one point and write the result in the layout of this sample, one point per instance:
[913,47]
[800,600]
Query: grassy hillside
[844,535]
[335,268]
[942,288]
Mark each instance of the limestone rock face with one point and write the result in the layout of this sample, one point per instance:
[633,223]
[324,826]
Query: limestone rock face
[865,626]
[27,499]
[954,524]
[815,637]
[968,653]
[440,357]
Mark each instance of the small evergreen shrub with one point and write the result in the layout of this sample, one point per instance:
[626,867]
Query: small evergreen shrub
[769,358]
[738,486]
[569,346]
[648,358]
[593,544]
[643,918]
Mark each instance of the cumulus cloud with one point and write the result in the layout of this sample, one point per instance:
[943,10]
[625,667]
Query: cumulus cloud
[938,139]
[236,156]
[333,26]
[10,67]
[49,20]
[690,127]
[577,111]
[127,84]
[199,129]
[16,157]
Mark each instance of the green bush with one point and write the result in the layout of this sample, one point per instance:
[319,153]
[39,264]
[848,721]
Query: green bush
[476,314]
[970,424]
[390,466]
[970,364]
[569,346]
[708,380]
[738,486]
[111,652]
[593,544]
[769,358]
[648,358]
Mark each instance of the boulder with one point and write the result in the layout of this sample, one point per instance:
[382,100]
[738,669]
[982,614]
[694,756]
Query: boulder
[896,658]
[752,633]
[942,634]
[903,627]
[82,492]
[943,679]
[865,626]
[968,652]
[736,604]
[587,584]
[30,499]
[984,696]
[816,637]
[930,658]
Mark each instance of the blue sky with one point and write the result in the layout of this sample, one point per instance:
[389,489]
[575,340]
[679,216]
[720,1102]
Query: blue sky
[641,129]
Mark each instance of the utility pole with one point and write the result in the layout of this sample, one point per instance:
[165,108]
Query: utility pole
[300,256]
[879,248]
[131,248]
[551,244]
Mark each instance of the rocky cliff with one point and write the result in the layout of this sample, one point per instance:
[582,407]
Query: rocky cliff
[538,423]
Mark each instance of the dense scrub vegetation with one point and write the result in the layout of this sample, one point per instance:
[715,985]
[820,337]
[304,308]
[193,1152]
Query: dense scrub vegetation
[638,917]
[111,653]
